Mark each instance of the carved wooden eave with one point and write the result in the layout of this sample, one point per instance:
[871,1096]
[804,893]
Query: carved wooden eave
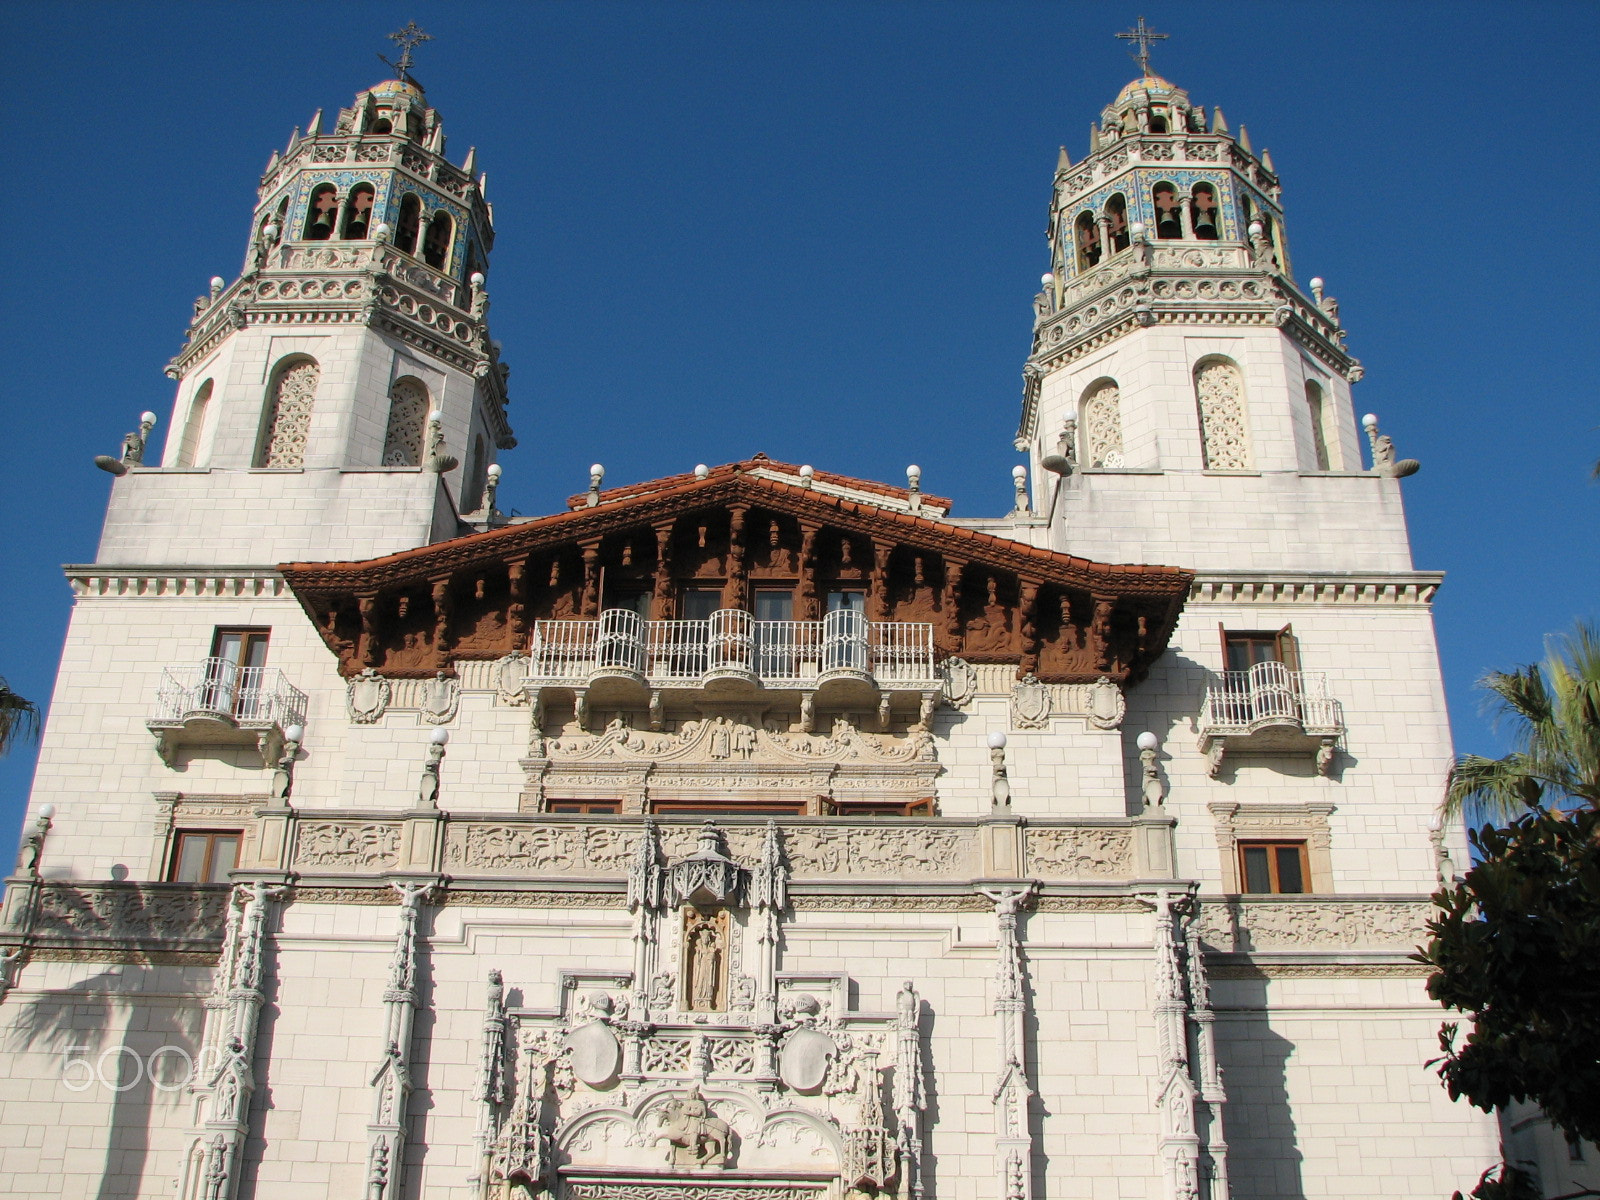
[739,528]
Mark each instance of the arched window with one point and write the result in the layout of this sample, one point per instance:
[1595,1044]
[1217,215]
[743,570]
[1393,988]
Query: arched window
[321,213]
[1088,239]
[436,245]
[1203,216]
[194,427]
[405,234]
[287,420]
[1100,420]
[1117,216]
[1158,120]
[1317,410]
[1219,396]
[1169,214]
[358,212]
[408,417]
[476,476]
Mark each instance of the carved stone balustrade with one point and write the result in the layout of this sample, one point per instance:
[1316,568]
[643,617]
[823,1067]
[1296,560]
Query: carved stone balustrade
[117,921]
[1306,925]
[1270,709]
[216,702]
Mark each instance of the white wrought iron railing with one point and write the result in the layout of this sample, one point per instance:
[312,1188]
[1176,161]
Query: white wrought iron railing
[1270,695]
[778,653]
[221,690]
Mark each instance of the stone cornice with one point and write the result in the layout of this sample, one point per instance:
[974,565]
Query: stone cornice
[166,582]
[1362,588]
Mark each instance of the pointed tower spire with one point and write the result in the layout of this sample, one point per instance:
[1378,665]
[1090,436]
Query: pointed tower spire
[1244,139]
[1266,161]
[471,163]
[1063,161]
[315,128]
[1219,123]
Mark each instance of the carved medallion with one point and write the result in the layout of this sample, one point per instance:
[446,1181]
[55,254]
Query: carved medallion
[595,1053]
[1030,704]
[367,697]
[804,1060]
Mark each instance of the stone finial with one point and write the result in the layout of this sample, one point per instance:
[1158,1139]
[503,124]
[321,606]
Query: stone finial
[133,445]
[491,485]
[1019,484]
[597,474]
[283,772]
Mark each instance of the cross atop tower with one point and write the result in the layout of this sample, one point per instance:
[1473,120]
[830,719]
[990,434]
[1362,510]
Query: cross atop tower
[409,38]
[1142,36]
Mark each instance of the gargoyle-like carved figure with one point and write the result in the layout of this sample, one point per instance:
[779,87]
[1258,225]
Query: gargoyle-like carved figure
[696,1135]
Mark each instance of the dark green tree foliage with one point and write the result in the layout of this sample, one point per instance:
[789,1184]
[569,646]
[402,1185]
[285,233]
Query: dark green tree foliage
[1503,1183]
[1516,944]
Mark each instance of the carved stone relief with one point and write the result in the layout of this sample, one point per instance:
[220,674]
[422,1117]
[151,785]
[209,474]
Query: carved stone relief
[508,675]
[1080,852]
[705,960]
[960,682]
[289,419]
[440,698]
[1330,925]
[1106,704]
[347,844]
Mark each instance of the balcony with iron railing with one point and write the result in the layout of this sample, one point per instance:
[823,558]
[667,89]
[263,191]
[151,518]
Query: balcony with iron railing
[216,702]
[1270,709]
[844,657]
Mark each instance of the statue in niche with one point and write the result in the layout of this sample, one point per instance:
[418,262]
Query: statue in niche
[704,952]
[990,629]
[696,1135]
[744,741]
[721,743]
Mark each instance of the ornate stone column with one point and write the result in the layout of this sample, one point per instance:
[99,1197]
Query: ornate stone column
[235,1007]
[1013,1141]
[491,1091]
[769,896]
[646,899]
[910,1097]
[391,1081]
[1179,1144]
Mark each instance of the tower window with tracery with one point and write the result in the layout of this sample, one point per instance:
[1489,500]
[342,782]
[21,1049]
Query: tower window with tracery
[286,424]
[358,212]
[436,245]
[408,417]
[1101,421]
[1203,212]
[410,224]
[1219,396]
[1169,215]
[322,212]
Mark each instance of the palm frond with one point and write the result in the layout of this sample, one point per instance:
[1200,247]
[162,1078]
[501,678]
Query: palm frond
[19,718]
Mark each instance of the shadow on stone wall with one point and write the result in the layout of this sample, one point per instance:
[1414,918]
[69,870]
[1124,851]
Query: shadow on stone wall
[1263,1145]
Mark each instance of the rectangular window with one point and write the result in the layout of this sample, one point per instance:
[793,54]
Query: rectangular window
[880,808]
[1273,868]
[697,604]
[205,857]
[636,602]
[847,602]
[590,807]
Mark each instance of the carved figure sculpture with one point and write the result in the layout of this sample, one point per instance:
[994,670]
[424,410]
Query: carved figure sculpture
[704,966]
[696,1135]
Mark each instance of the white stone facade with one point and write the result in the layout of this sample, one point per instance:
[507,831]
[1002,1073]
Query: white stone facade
[1094,1008]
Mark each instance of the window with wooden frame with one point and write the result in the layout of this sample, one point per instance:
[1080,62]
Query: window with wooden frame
[1244,648]
[1274,868]
[204,856]
[727,808]
[584,807]
[877,808]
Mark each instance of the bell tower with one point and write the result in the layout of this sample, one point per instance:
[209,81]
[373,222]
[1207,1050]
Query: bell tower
[1185,399]
[342,396]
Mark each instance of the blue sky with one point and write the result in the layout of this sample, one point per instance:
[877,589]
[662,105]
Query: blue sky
[813,229]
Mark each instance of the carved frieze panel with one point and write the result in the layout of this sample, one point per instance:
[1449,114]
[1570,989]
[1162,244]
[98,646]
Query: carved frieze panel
[347,845]
[1247,925]
[120,911]
[1080,852]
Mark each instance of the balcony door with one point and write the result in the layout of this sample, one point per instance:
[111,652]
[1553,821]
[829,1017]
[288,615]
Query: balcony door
[233,672]
[844,632]
[777,644]
[1262,672]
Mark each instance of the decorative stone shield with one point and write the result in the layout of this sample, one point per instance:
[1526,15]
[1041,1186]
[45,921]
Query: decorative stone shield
[508,674]
[367,697]
[440,698]
[595,1053]
[1030,704]
[803,1061]
[960,682]
[1107,704]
